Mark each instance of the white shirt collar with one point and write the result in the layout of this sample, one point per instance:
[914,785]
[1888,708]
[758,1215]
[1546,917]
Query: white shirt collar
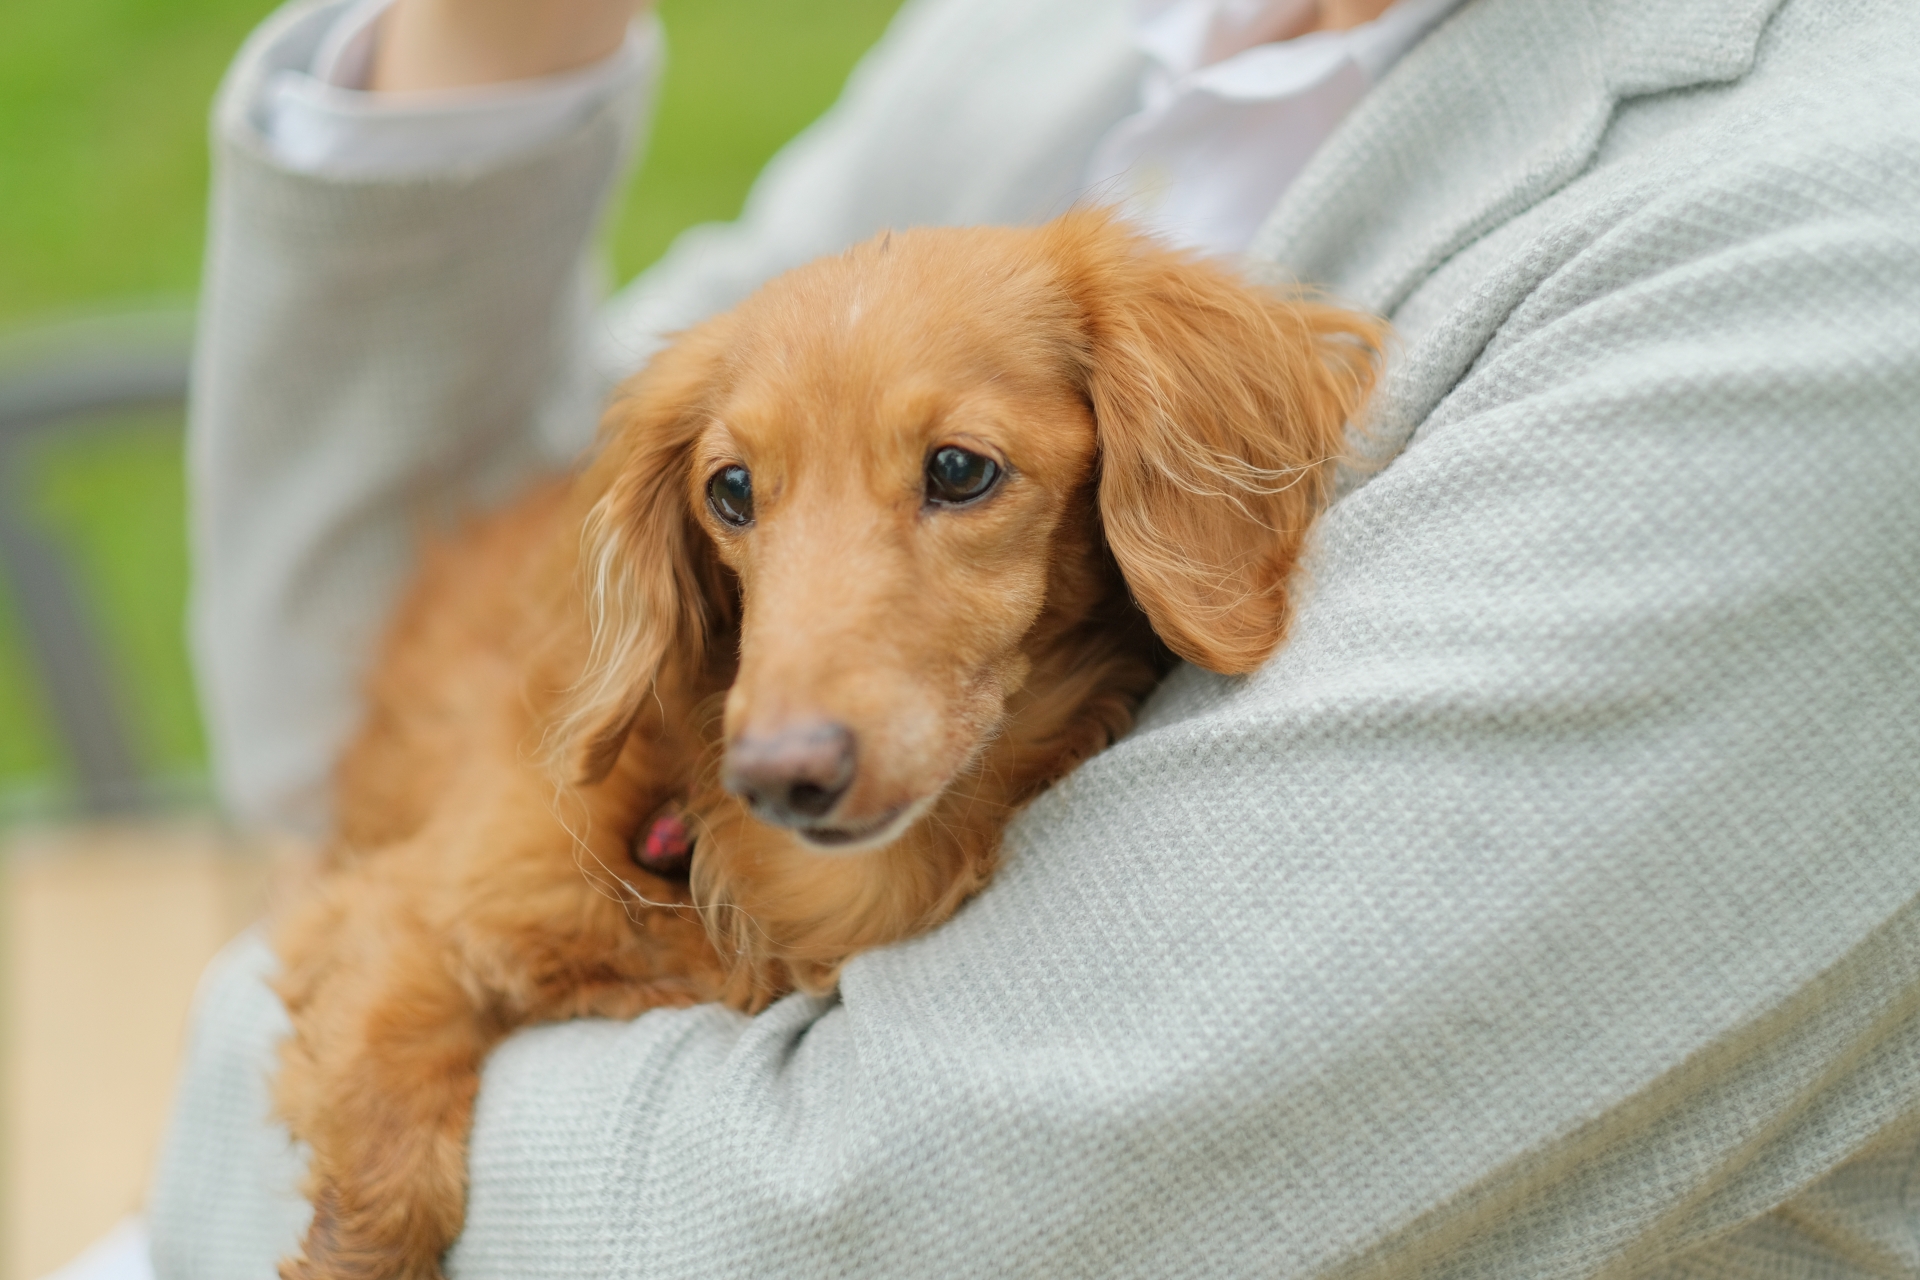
[1229,116]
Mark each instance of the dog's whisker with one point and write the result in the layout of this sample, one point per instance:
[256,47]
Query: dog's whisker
[606,882]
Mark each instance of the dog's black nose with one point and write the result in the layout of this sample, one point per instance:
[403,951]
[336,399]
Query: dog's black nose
[794,776]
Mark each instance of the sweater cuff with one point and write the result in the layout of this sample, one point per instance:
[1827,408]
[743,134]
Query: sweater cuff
[298,88]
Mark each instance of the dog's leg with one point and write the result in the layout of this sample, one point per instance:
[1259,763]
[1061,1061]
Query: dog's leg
[406,968]
[378,1079]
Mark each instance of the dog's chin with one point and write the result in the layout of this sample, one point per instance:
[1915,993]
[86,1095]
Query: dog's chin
[849,838]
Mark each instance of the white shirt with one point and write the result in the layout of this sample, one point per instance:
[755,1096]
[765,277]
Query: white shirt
[1229,115]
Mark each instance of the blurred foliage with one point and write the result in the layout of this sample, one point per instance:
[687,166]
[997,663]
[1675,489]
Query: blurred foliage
[743,76]
[103,174]
[102,146]
[102,131]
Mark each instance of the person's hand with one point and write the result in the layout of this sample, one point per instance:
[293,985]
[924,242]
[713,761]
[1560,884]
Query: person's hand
[449,44]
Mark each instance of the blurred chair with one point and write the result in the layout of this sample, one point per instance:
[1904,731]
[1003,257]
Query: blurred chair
[110,911]
[59,380]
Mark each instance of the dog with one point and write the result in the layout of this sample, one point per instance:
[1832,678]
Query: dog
[858,569]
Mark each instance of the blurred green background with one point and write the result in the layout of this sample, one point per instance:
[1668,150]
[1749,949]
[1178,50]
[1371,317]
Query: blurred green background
[103,173]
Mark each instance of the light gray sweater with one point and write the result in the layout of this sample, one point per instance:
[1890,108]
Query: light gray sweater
[1549,906]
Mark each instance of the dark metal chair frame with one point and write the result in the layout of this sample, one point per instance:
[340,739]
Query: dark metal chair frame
[108,371]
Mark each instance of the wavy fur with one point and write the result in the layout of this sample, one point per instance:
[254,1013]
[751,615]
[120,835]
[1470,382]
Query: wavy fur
[568,667]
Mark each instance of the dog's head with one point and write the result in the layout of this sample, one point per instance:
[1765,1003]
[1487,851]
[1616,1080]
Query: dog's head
[878,480]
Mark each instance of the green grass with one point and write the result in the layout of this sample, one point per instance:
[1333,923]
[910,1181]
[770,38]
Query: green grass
[102,146]
[103,173]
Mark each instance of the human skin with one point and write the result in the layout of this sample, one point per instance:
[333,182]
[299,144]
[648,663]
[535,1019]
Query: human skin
[452,44]
[1338,15]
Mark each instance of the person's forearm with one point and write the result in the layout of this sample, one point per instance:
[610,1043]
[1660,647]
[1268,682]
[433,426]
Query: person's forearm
[450,44]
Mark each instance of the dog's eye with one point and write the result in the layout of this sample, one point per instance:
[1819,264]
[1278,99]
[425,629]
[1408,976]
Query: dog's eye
[730,494]
[955,475]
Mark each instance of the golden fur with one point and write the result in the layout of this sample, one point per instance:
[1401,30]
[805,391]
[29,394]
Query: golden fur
[565,669]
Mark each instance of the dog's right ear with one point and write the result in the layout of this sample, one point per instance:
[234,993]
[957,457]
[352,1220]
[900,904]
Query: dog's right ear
[654,592]
[1220,407]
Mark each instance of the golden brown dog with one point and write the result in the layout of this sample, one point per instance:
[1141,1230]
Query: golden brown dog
[859,569]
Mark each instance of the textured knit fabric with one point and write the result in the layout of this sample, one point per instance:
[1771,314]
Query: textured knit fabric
[374,357]
[1550,904]
[323,119]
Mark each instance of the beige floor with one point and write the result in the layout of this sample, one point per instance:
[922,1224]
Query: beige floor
[106,929]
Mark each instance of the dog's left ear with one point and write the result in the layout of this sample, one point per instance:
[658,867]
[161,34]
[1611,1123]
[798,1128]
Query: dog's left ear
[1220,407]
[655,595]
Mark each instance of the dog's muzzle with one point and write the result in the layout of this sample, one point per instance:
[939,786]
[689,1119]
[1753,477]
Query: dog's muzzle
[795,777]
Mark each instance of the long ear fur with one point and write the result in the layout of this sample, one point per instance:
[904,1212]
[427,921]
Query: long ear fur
[655,593]
[1220,407]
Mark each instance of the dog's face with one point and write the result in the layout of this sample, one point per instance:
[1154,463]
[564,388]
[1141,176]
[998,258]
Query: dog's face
[880,475]
[894,482]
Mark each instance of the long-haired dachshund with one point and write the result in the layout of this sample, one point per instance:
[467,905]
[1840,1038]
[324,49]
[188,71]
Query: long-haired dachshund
[859,569]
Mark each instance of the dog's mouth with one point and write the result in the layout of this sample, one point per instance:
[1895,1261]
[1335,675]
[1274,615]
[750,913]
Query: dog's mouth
[858,837]
[851,835]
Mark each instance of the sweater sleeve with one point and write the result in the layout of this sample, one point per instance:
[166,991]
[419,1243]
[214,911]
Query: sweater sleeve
[323,120]
[376,357]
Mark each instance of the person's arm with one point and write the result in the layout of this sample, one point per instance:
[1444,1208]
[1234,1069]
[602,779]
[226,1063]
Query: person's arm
[428,45]
[377,354]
